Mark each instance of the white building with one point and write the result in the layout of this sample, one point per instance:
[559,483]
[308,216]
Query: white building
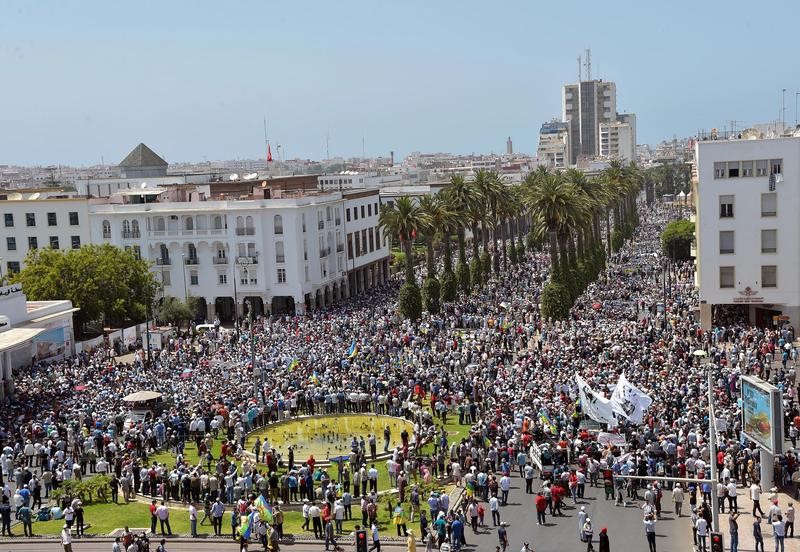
[281,255]
[617,141]
[554,145]
[31,331]
[748,197]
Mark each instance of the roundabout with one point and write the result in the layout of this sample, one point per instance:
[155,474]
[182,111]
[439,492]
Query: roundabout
[329,436]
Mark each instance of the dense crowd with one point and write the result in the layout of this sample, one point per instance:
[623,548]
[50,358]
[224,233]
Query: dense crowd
[488,359]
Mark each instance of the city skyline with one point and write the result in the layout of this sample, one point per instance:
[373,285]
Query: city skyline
[194,81]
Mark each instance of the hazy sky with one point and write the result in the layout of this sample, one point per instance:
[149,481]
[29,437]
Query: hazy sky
[81,80]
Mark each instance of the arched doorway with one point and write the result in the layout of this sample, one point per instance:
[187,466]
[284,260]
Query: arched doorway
[224,309]
[336,292]
[256,303]
[199,309]
[318,302]
[283,305]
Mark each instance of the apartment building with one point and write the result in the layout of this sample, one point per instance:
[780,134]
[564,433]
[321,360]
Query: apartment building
[584,107]
[617,141]
[555,144]
[747,194]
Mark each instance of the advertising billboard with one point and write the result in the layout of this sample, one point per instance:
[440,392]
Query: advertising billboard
[762,417]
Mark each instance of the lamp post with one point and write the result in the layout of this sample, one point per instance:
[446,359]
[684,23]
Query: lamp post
[183,267]
[1,270]
[712,435]
[256,371]
[235,298]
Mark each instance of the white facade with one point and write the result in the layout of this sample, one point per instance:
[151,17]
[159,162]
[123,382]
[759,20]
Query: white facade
[748,196]
[554,145]
[617,141]
[283,255]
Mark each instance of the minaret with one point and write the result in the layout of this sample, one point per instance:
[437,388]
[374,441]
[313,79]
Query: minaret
[509,146]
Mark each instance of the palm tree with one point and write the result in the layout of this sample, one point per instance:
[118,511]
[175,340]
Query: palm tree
[459,197]
[490,186]
[554,200]
[402,219]
[508,208]
[435,217]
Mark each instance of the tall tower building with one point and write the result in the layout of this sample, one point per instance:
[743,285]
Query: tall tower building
[509,146]
[584,107]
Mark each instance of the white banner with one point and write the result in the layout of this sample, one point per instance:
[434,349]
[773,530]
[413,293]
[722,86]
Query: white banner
[594,405]
[628,401]
[612,439]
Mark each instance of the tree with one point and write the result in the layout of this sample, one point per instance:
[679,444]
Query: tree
[403,220]
[459,196]
[554,201]
[676,239]
[174,311]
[105,282]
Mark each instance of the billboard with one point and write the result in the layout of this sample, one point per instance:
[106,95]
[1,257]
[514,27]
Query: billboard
[762,417]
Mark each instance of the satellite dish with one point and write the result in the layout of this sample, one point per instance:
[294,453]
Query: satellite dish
[143,185]
[251,176]
[35,195]
[234,176]
[15,196]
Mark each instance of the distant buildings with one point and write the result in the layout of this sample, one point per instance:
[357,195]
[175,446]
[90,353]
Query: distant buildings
[617,142]
[509,147]
[554,145]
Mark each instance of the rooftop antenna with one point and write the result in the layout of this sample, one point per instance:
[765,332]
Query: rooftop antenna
[266,141]
[588,64]
[363,148]
[327,146]
[580,74]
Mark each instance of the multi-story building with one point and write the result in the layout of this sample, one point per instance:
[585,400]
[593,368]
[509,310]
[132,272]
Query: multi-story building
[617,141]
[747,195]
[282,255]
[584,107]
[554,145]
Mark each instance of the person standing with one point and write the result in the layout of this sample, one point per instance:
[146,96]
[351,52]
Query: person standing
[193,520]
[376,539]
[153,517]
[790,520]
[650,531]
[677,498]
[494,508]
[702,532]
[733,529]
[25,516]
[541,508]
[217,509]
[163,517]
[757,536]
[588,534]
[5,517]
[66,538]
[605,545]
[411,543]
[779,532]
[582,515]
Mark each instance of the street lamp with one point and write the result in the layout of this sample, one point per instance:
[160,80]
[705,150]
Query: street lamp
[235,298]
[183,267]
[712,436]
[256,371]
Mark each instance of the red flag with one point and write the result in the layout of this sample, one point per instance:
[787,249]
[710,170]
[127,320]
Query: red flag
[269,153]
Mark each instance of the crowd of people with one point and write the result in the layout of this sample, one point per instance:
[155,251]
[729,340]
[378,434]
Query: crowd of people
[488,358]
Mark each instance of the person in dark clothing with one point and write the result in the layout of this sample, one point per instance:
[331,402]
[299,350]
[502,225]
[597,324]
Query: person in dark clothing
[604,544]
[5,517]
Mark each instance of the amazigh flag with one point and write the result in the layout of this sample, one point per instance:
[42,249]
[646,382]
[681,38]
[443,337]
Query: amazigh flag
[548,422]
[293,364]
[314,378]
[352,349]
[246,528]
[264,509]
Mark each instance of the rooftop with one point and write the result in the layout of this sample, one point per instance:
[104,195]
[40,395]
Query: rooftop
[142,156]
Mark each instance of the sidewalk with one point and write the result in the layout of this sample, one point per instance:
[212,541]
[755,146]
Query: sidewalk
[746,540]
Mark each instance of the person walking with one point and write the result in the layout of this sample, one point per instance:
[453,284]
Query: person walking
[541,508]
[778,532]
[789,520]
[605,545]
[650,531]
[502,536]
[494,508]
[677,498]
[757,536]
[376,538]
[588,534]
[755,496]
[5,517]
[733,529]
[193,520]
[66,538]
[702,532]
[411,543]
[582,515]
[217,510]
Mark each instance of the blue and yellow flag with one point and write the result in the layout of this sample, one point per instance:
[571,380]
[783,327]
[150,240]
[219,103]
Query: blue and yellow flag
[548,422]
[293,364]
[246,528]
[314,378]
[264,509]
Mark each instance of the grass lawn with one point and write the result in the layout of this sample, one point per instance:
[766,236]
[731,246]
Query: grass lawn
[105,518]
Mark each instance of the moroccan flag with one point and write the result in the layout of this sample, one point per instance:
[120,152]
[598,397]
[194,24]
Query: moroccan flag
[269,153]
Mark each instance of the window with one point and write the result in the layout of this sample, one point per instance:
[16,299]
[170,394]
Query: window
[11,244]
[13,267]
[222,279]
[279,256]
[364,242]
[358,244]
[73,218]
[376,208]
[377,237]
[726,242]
[371,241]
[369,210]
[107,229]
[30,219]
[769,204]
[769,241]
[355,213]
[9,219]
[761,167]
[33,243]
[747,168]
[306,273]
[347,216]
[725,206]
[733,169]
[328,213]
[51,219]
[776,165]
[278,225]
[350,246]
[194,279]
[75,241]
[281,275]
[53,242]
[726,276]
[303,216]
[137,251]
[165,279]
[362,211]
[719,170]
[769,276]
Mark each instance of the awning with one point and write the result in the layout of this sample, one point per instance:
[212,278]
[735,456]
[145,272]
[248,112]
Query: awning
[141,396]
[18,336]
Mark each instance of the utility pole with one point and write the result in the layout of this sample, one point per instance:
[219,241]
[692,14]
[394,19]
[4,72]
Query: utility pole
[712,450]
[256,371]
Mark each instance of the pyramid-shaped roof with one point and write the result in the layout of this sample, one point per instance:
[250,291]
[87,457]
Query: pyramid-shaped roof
[142,156]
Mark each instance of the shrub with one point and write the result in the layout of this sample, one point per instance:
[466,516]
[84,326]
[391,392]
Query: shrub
[512,253]
[475,272]
[462,276]
[410,302]
[431,292]
[521,250]
[486,266]
[449,285]
[554,303]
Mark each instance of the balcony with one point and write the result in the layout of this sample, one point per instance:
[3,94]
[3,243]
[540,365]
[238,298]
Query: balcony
[188,233]
[340,248]
[338,222]
[321,225]
[190,261]
[245,231]
[247,260]
[280,259]
[220,260]
[131,235]
[163,261]
[107,235]
[324,252]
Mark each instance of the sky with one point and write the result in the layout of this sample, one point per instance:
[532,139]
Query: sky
[86,81]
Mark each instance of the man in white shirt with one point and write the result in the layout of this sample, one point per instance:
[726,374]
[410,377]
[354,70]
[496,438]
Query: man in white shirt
[702,531]
[779,532]
[755,496]
[505,486]
[66,539]
[193,519]
[733,506]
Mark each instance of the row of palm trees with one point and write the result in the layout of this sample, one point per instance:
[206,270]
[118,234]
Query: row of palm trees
[564,209]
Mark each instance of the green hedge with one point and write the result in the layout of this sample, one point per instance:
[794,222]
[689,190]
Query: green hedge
[555,301]
[462,276]
[475,276]
[449,286]
[431,293]
[410,302]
